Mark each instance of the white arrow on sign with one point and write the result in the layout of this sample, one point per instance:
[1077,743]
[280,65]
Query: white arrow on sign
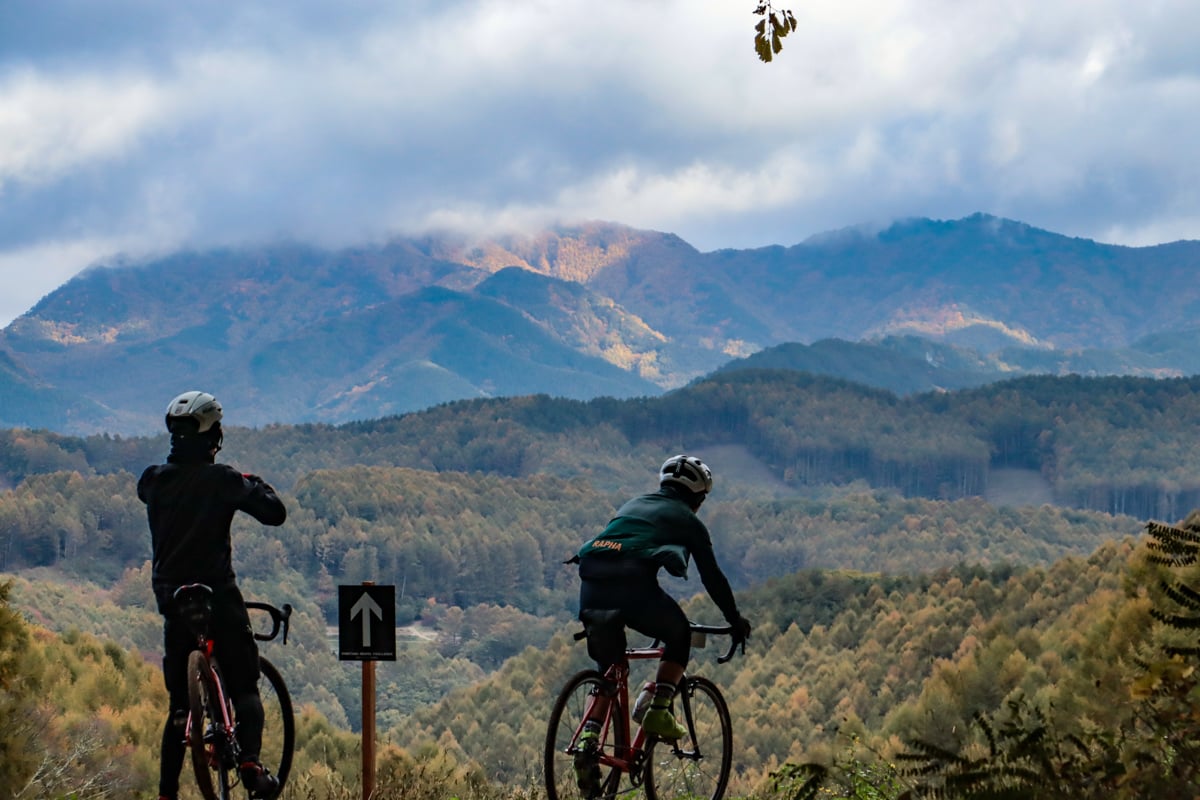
[366,607]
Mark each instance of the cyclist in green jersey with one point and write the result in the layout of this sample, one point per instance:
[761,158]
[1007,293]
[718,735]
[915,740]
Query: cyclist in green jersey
[618,571]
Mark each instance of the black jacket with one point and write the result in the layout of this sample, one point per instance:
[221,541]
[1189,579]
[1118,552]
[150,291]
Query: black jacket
[190,509]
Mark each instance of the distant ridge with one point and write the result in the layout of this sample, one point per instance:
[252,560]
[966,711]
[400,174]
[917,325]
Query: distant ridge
[293,333]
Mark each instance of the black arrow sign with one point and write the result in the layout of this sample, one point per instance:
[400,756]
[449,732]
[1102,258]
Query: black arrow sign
[367,623]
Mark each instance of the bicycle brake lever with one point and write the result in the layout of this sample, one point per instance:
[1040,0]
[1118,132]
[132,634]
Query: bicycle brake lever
[287,617]
[733,646]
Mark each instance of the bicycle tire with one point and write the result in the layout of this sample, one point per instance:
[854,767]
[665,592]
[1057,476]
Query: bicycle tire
[279,726]
[279,722]
[201,695]
[565,718]
[697,766]
[225,784]
[224,760]
[611,783]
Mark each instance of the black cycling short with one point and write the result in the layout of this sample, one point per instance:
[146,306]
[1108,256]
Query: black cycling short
[631,587]
[234,648]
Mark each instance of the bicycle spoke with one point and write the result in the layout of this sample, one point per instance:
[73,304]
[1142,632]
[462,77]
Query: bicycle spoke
[279,731]
[214,738]
[559,754]
[697,766]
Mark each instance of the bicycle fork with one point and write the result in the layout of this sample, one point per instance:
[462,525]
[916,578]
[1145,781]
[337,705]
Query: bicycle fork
[683,696]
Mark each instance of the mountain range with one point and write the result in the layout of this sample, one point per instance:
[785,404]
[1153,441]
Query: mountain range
[288,333]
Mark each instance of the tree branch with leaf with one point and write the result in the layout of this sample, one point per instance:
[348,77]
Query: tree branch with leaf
[771,29]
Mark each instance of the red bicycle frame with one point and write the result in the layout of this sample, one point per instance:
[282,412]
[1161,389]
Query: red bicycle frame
[626,757]
[226,732]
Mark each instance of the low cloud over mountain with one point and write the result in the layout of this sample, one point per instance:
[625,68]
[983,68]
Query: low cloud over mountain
[293,333]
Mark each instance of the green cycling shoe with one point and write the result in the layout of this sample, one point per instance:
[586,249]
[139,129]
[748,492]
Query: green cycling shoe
[660,722]
[587,761]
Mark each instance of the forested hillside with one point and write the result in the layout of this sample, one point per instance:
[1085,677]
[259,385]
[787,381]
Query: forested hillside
[841,665]
[1117,445]
[890,601]
[839,654]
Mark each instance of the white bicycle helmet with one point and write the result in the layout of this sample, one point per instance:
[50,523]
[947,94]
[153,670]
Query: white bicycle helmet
[687,471]
[201,407]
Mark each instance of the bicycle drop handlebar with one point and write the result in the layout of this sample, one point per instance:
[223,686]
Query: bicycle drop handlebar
[280,618]
[695,628]
[720,630]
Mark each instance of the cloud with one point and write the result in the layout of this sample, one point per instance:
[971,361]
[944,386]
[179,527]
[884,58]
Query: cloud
[52,264]
[151,125]
[50,127]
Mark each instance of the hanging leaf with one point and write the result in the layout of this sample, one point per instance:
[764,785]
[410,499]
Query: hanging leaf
[762,48]
[771,29]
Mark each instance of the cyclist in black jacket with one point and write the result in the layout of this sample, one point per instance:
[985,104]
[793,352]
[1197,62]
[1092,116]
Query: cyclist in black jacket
[190,503]
[619,568]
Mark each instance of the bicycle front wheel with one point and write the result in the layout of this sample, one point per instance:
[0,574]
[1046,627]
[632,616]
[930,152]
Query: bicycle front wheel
[697,766]
[203,700]
[566,718]
[279,723]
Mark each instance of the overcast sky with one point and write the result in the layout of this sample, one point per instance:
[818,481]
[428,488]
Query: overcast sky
[139,126]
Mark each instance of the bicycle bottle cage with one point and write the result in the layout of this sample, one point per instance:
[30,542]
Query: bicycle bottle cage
[193,604]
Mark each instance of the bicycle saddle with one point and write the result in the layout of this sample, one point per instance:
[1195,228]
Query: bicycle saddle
[193,603]
[601,617]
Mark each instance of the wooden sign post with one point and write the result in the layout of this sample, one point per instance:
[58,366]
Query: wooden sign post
[367,633]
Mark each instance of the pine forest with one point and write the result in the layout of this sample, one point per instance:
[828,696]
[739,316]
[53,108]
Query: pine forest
[921,628]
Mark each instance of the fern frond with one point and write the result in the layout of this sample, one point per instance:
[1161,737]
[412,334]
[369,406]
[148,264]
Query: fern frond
[1165,532]
[929,768]
[929,750]
[988,733]
[1173,561]
[1031,744]
[1186,652]
[1183,594]
[1176,621]
[1170,546]
[811,777]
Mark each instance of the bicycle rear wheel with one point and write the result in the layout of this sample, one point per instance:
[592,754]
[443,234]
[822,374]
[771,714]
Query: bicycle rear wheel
[566,718]
[279,723]
[203,700]
[697,766]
